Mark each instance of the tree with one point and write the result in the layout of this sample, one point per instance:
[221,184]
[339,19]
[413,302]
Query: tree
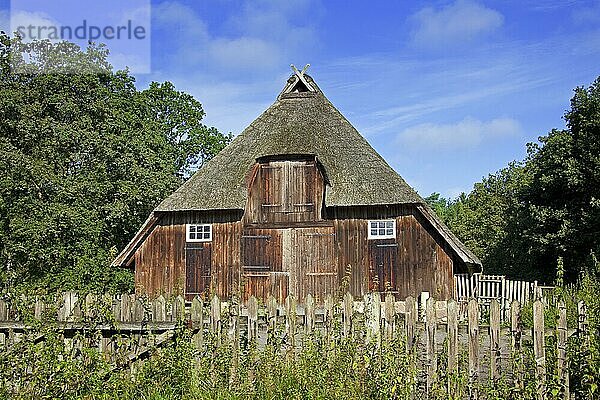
[87,157]
[485,219]
[563,197]
[439,204]
[525,217]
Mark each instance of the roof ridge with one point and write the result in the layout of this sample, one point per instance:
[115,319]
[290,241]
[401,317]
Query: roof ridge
[296,123]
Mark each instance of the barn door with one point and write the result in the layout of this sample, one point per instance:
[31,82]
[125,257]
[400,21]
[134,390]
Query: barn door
[197,269]
[262,273]
[288,192]
[383,256]
[313,266]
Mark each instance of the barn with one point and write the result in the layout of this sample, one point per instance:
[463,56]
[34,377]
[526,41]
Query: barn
[298,203]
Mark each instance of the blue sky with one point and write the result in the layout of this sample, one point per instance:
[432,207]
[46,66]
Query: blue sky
[446,91]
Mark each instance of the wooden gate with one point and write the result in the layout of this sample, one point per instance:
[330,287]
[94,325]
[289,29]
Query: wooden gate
[197,269]
[383,255]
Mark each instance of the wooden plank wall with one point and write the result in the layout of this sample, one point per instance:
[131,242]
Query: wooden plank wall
[285,192]
[424,262]
[262,267]
[318,259]
[313,263]
[160,262]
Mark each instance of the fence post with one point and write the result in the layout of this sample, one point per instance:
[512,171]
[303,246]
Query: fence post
[430,327]
[215,318]
[516,331]
[347,311]
[309,314]
[234,337]
[473,315]
[373,317]
[538,348]
[65,312]
[561,347]
[452,316]
[38,310]
[494,339]
[197,319]
[328,317]
[411,323]
[389,316]
[178,309]
[3,317]
[290,320]
[125,308]
[271,317]
[159,311]
[252,319]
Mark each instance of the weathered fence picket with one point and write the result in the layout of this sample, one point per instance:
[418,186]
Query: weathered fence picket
[430,331]
[252,319]
[561,349]
[347,313]
[138,325]
[494,339]
[452,329]
[473,317]
[411,323]
[516,335]
[539,351]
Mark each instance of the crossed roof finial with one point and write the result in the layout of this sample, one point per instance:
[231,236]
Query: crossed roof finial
[299,72]
[299,75]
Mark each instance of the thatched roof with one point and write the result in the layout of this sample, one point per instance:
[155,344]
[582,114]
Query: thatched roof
[297,123]
[302,121]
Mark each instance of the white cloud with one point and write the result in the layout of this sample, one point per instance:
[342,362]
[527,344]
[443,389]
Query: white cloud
[22,20]
[461,21]
[260,36]
[244,52]
[468,133]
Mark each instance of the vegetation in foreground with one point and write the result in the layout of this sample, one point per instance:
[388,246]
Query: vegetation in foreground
[43,366]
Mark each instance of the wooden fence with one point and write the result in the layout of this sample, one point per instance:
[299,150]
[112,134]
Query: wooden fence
[485,288]
[427,331]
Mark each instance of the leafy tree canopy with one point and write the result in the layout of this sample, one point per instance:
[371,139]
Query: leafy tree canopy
[525,217]
[85,157]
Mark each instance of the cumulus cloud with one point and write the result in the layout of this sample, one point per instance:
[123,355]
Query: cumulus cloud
[21,20]
[244,52]
[460,21]
[467,133]
[261,35]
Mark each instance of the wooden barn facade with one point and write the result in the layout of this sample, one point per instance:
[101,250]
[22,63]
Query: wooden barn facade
[298,203]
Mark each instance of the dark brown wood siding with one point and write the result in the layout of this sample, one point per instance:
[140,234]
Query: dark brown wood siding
[423,261]
[198,266]
[160,261]
[266,259]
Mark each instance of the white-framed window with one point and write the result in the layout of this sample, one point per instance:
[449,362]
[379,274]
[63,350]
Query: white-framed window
[382,229]
[198,232]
